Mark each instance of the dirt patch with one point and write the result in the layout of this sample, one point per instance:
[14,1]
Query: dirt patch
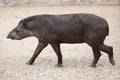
[76,57]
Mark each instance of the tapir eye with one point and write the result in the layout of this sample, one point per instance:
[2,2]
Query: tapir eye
[17,31]
[25,24]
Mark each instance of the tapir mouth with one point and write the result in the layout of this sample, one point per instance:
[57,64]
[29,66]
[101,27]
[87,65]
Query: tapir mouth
[13,37]
[10,37]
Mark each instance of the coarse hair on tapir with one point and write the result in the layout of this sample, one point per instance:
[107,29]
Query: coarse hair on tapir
[65,28]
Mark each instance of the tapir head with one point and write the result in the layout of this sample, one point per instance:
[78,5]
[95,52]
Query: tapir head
[21,31]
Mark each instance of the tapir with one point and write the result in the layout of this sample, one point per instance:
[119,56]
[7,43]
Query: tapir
[65,28]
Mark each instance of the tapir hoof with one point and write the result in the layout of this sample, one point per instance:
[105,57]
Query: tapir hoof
[59,65]
[112,61]
[93,66]
[29,62]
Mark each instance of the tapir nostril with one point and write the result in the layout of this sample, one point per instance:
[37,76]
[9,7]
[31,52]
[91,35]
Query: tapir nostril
[11,37]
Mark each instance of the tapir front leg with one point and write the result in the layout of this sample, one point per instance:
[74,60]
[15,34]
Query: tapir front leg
[57,50]
[40,47]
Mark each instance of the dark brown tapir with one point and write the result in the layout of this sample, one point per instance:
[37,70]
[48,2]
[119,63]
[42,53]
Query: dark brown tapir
[66,28]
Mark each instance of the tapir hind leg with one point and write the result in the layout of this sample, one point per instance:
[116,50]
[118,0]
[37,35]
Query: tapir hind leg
[94,41]
[109,51]
[97,54]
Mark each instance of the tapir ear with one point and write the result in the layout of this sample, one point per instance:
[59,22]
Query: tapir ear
[28,23]
[25,23]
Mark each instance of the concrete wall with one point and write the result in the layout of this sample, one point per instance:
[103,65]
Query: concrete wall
[56,2]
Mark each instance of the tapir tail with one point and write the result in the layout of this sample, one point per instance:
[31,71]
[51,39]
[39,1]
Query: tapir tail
[107,28]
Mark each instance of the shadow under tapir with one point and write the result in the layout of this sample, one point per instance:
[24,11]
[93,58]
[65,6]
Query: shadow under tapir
[66,28]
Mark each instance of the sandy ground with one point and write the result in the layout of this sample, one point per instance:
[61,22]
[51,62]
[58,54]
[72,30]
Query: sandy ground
[76,57]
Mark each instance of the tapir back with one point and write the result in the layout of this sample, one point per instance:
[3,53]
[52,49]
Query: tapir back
[74,28]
